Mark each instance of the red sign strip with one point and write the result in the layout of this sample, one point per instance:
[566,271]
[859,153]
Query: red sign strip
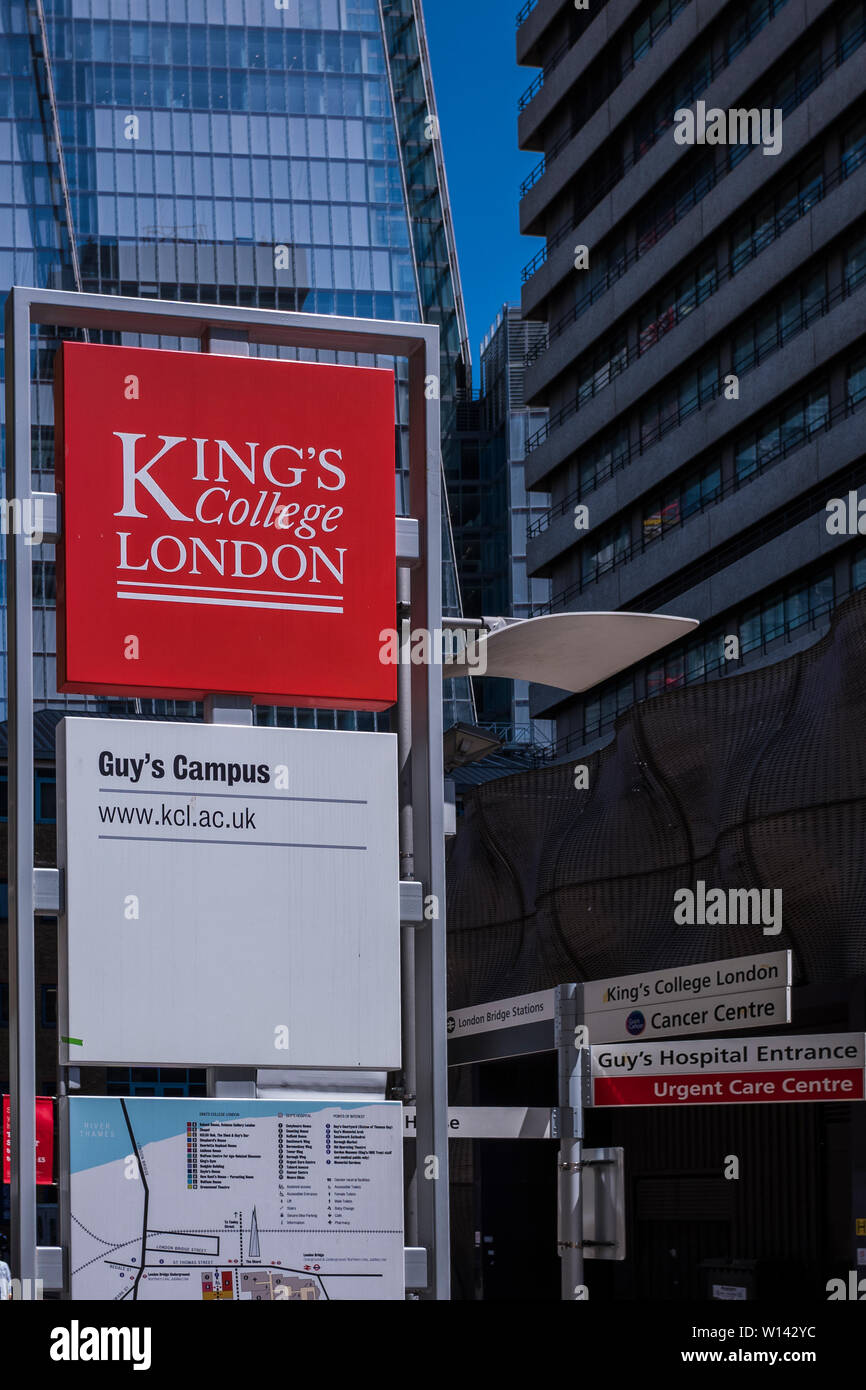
[44,1141]
[730,1088]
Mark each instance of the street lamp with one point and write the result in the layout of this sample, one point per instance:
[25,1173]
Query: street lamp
[571,651]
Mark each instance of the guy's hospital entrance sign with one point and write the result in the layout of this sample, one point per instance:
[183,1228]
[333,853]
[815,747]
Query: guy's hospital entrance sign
[224,523]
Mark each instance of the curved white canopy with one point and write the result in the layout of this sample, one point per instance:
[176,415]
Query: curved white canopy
[572,651]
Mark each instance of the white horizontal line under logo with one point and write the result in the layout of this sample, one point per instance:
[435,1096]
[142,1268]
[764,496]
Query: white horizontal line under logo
[233,602]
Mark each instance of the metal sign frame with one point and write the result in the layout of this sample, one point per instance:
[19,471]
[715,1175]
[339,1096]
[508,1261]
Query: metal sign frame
[422,807]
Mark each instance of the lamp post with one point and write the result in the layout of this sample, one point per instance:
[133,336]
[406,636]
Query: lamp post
[571,651]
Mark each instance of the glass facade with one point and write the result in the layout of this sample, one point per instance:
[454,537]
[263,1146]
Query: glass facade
[242,152]
[492,511]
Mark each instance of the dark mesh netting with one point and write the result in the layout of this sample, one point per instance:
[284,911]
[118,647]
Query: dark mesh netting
[754,781]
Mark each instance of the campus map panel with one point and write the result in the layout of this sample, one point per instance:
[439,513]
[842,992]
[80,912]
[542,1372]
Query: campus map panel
[176,1198]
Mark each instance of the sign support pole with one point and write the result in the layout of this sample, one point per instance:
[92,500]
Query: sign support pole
[428,822]
[402,723]
[22,968]
[571,1071]
[228,709]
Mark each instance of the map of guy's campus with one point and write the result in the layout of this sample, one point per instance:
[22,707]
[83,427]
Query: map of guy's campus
[255,1201]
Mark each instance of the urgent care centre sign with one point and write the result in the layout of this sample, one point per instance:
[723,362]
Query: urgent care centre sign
[228,525]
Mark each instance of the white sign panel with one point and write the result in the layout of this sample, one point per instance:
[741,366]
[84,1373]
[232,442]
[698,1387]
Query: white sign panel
[502,1013]
[235,1200]
[743,992]
[489,1122]
[705,980]
[231,895]
[730,1071]
[704,1015]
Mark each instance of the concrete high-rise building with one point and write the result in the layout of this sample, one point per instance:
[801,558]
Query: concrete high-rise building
[227,151]
[705,366]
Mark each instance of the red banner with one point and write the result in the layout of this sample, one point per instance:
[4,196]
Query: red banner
[228,525]
[730,1088]
[44,1141]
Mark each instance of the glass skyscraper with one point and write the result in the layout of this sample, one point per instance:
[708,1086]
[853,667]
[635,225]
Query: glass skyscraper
[491,510]
[270,153]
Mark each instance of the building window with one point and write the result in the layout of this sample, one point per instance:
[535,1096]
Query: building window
[853,149]
[600,554]
[855,265]
[857,381]
[46,799]
[681,500]
[648,31]
[672,403]
[155,1081]
[600,460]
[44,582]
[601,712]
[748,22]
[677,303]
[685,664]
[597,373]
[44,794]
[782,432]
[657,117]
[49,1006]
[603,272]
[786,316]
[785,611]
[851,30]
[792,201]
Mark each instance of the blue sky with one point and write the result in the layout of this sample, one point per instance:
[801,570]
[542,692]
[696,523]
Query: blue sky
[477,81]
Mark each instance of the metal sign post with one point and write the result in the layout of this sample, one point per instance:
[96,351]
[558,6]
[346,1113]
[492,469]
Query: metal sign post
[22,971]
[423,845]
[572,1071]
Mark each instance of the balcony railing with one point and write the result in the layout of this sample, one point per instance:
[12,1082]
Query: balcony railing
[536,85]
[805,200]
[789,629]
[734,550]
[699,85]
[600,190]
[768,235]
[618,74]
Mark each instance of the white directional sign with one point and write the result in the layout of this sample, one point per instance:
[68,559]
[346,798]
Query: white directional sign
[730,1071]
[490,1122]
[711,997]
[742,992]
[502,1013]
[235,1200]
[231,895]
[503,1028]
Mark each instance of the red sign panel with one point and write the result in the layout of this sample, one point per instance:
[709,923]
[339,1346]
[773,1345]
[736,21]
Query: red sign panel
[44,1141]
[228,526]
[727,1088]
